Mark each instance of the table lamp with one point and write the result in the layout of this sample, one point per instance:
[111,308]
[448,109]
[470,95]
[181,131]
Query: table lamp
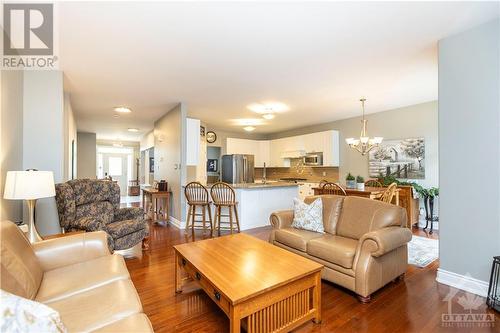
[30,185]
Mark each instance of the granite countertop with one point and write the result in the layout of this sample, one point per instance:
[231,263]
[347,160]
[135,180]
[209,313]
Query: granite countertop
[270,184]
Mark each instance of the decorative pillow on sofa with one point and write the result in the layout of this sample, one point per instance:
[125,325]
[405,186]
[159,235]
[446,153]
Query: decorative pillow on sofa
[308,217]
[18,314]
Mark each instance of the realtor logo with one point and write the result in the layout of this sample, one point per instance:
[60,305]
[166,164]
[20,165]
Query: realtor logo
[28,29]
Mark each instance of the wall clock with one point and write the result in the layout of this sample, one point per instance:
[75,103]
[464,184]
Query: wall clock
[211,137]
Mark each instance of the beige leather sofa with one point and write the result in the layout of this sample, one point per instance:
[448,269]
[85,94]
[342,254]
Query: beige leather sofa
[75,275]
[364,245]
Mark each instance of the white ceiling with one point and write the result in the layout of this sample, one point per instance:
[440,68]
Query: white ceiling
[318,58]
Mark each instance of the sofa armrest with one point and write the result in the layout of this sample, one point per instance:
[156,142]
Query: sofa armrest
[88,224]
[386,239]
[68,250]
[129,213]
[281,219]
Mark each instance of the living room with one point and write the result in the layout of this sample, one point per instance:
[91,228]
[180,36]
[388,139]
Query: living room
[355,128]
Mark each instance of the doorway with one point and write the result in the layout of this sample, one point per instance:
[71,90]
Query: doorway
[116,163]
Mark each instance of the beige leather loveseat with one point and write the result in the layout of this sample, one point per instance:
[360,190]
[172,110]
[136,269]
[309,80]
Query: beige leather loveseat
[364,245]
[75,275]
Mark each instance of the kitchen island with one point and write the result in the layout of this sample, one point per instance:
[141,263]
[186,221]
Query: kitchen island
[256,201]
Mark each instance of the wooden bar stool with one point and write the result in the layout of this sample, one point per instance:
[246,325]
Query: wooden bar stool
[223,196]
[197,196]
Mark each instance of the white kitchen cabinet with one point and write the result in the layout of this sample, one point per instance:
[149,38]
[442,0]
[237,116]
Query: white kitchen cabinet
[272,151]
[258,148]
[192,141]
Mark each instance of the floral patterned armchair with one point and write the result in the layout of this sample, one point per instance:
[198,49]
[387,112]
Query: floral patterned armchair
[91,205]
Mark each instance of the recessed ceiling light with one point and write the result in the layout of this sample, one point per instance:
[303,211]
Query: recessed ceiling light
[122,109]
[133,130]
[268,116]
[249,128]
[268,107]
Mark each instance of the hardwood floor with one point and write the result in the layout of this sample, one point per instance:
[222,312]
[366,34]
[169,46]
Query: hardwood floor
[412,305]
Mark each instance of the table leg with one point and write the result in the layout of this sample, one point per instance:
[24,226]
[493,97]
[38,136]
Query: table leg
[178,275]
[317,298]
[234,321]
[153,202]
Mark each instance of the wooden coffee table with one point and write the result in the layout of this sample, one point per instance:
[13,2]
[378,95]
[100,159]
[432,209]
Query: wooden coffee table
[256,284]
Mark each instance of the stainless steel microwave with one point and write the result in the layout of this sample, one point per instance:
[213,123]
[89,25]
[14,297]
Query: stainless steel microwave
[313,159]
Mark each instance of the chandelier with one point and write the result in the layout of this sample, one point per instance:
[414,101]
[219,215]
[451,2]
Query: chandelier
[364,144]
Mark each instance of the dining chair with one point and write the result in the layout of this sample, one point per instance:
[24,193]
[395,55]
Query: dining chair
[389,193]
[333,188]
[197,197]
[373,183]
[223,196]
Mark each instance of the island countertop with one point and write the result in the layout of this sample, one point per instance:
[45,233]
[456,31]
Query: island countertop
[270,184]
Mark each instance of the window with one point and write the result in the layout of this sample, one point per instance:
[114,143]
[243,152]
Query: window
[115,166]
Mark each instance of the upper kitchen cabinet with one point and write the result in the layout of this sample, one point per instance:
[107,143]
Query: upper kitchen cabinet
[279,152]
[192,141]
[258,148]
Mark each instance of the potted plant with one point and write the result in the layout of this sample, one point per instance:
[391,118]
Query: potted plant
[350,181]
[360,183]
[428,195]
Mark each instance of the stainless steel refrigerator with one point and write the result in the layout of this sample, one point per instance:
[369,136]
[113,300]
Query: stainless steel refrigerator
[238,168]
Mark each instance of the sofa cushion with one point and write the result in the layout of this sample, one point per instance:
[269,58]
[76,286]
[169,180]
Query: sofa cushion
[91,190]
[295,238]
[332,207]
[72,279]
[335,249]
[21,271]
[132,324]
[119,229]
[102,210]
[308,216]
[98,307]
[362,215]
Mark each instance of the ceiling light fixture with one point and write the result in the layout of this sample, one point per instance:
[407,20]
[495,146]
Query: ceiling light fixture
[364,144]
[249,128]
[268,116]
[122,109]
[268,107]
[133,129]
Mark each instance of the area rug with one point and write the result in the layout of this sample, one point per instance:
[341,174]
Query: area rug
[422,251]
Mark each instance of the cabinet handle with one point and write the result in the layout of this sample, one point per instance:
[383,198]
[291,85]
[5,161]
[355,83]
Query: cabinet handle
[217,295]
[198,276]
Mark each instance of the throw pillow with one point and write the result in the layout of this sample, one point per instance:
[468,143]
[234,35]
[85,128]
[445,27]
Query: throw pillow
[18,314]
[308,217]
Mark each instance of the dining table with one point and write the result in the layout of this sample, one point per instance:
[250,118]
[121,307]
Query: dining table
[368,192]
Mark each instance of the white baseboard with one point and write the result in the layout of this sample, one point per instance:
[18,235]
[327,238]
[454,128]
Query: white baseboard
[462,282]
[176,222]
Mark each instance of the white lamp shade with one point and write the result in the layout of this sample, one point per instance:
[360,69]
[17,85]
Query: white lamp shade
[28,185]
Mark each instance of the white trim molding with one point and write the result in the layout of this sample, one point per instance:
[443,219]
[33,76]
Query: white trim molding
[462,282]
[176,222]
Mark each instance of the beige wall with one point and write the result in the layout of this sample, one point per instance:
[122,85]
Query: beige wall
[419,120]
[11,138]
[86,160]
[69,136]
[169,144]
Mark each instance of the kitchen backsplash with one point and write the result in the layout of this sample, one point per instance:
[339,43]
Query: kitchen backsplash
[312,174]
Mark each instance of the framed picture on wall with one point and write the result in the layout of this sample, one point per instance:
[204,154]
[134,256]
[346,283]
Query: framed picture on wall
[151,164]
[403,158]
[212,165]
